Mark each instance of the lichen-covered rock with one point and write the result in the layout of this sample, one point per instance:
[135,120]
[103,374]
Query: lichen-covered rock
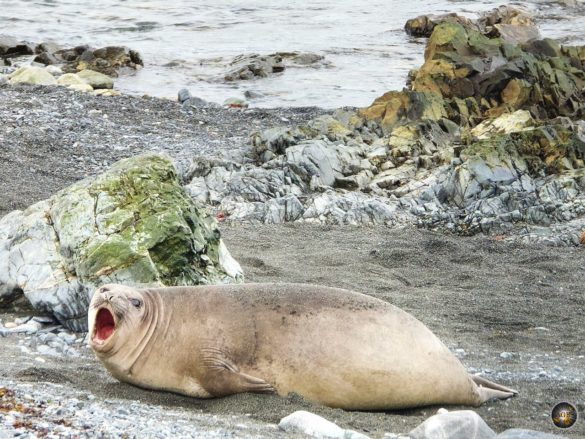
[133,224]
[486,135]
[97,80]
[245,67]
[74,82]
[252,66]
[31,75]
[110,60]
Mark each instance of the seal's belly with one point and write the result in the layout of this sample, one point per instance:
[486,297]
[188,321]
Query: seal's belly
[368,359]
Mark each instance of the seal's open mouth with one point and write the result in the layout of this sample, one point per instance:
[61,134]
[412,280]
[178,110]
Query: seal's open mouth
[104,325]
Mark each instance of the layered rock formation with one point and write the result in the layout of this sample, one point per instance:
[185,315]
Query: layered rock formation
[489,132]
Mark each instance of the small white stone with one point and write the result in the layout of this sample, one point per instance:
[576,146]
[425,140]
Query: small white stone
[308,423]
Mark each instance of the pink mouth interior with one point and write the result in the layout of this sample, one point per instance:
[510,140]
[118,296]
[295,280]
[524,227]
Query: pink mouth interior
[104,325]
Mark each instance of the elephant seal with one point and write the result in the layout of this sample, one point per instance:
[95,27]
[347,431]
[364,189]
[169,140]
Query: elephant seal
[332,346]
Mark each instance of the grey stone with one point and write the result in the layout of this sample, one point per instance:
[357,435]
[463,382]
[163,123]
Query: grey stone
[519,433]
[463,424]
[183,95]
[251,94]
[47,350]
[197,102]
[315,426]
[67,338]
[246,67]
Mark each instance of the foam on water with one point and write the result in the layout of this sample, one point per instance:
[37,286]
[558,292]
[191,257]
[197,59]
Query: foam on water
[187,44]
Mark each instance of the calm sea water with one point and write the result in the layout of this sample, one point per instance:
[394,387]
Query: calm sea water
[187,43]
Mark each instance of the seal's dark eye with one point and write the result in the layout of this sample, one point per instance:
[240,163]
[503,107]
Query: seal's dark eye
[136,303]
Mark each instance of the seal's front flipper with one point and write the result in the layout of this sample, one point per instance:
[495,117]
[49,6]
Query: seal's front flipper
[227,382]
[222,378]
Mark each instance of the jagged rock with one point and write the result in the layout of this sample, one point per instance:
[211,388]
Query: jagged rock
[47,46]
[463,424]
[10,47]
[505,124]
[46,58]
[31,75]
[487,134]
[321,163]
[423,25]
[133,224]
[108,60]
[511,24]
[245,67]
[304,58]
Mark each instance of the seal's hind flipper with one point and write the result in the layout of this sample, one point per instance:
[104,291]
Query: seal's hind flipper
[488,390]
[491,385]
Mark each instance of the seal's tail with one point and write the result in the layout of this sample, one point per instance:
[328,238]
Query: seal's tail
[489,390]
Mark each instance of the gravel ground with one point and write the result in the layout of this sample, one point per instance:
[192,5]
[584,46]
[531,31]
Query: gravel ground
[51,137]
[512,313]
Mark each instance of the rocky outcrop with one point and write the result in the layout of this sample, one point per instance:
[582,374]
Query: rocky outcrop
[487,135]
[10,47]
[108,60]
[512,24]
[246,67]
[133,224]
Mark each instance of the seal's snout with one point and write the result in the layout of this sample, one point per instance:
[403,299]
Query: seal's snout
[104,325]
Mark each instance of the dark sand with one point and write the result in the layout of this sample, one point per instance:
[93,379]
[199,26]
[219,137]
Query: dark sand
[483,296]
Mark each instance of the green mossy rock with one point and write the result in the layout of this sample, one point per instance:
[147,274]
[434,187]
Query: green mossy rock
[136,219]
[31,75]
[133,224]
[96,79]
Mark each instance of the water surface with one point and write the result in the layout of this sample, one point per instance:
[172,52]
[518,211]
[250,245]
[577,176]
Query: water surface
[188,43]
